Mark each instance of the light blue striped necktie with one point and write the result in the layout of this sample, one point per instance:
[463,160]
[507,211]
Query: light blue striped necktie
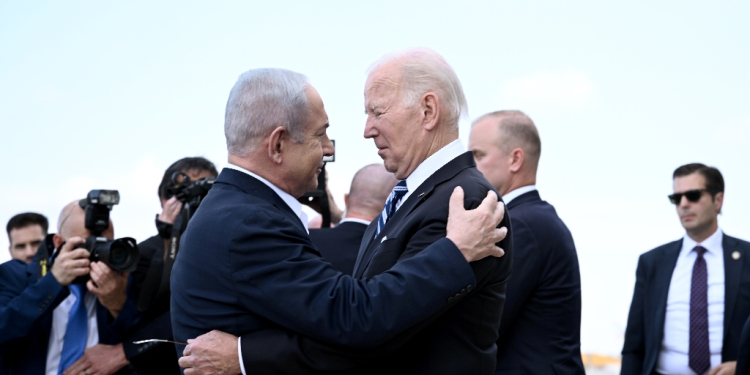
[390,204]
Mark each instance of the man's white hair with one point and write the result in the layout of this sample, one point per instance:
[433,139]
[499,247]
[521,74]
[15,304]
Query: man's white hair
[424,70]
[260,101]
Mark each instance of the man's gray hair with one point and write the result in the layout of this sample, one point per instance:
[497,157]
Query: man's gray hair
[424,70]
[261,101]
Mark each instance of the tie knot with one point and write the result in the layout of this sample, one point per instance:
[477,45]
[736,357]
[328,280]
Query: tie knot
[700,250]
[400,188]
[77,289]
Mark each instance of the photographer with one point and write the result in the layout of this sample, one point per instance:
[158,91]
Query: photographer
[50,323]
[150,277]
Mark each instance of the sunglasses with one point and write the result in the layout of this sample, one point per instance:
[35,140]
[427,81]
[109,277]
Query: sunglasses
[691,195]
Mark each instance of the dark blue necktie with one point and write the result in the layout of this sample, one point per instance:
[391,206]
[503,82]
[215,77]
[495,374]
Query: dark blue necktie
[390,204]
[75,333]
[699,355]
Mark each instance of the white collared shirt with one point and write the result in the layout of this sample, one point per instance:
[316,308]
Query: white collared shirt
[354,220]
[60,324]
[673,357]
[513,194]
[428,167]
[290,201]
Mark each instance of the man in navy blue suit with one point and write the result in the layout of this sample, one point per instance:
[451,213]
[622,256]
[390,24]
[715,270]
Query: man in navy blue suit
[691,296]
[38,308]
[370,187]
[541,322]
[247,266]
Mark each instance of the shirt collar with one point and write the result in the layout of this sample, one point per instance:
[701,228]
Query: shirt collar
[712,244]
[428,167]
[290,201]
[354,220]
[513,194]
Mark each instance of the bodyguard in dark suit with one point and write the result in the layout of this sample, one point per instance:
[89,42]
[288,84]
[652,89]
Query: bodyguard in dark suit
[247,264]
[369,189]
[692,296]
[35,305]
[541,322]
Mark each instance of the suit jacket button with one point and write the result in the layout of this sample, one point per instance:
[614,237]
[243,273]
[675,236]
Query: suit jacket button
[468,288]
[450,299]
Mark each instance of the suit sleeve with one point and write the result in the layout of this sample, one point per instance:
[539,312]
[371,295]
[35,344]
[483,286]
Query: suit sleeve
[285,283]
[275,351]
[633,351]
[22,306]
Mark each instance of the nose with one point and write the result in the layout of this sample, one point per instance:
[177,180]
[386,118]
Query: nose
[328,148]
[370,131]
[30,251]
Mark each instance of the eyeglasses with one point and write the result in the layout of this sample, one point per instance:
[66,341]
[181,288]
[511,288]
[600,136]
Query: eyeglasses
[691,195]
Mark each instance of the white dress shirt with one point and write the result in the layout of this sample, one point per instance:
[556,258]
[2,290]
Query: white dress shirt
[428,167]
[513,194]
[60,324]
[296,207]
[673,357]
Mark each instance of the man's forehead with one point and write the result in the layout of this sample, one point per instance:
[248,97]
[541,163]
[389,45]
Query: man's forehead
[386,76]
[34,229]
[691,181]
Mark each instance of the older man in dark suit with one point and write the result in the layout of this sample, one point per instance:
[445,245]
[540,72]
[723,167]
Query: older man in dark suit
[247,264]
[413,100]
[541,323]
[367,194]
[691,298]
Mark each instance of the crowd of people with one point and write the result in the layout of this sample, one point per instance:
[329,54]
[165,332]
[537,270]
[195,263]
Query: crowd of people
[444,260]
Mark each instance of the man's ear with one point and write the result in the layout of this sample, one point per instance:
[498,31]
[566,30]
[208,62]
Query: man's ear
[517,159]
[276,144]
[430,110]
[58,240]
[718,201]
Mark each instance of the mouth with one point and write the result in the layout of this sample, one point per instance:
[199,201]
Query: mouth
[686,217]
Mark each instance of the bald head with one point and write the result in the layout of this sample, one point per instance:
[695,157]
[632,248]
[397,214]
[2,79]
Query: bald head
[72,223]
[370,188]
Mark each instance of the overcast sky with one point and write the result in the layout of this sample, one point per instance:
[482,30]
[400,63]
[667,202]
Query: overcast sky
[107,95]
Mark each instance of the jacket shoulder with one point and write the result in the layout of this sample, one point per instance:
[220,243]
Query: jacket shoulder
[736,242]
[659,250]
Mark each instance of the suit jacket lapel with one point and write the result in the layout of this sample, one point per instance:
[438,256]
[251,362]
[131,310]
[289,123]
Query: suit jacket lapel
[366,240]
[732,273]
[369,245]
[662,279]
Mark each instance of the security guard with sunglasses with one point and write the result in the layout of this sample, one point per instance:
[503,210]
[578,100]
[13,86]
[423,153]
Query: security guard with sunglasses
[692,296]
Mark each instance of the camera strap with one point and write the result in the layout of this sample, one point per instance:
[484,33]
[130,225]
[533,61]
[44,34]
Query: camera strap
[156,284]
[43,254]
[174,246]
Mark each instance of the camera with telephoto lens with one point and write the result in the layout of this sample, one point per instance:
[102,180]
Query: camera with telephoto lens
[187,190]
[121,254]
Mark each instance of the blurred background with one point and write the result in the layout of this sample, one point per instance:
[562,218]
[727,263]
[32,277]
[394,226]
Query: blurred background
[107,95]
